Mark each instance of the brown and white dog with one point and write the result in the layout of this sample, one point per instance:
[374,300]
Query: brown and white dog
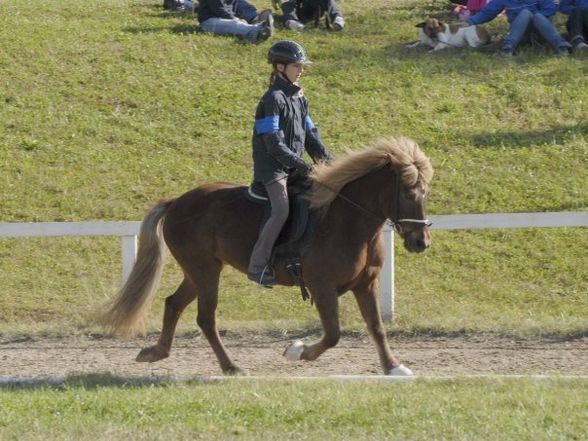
[439,35]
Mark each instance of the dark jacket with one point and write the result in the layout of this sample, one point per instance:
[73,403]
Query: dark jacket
[513,8]
[283,131]
[216,8]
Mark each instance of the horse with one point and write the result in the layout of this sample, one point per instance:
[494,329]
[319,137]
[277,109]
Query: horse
[215,225]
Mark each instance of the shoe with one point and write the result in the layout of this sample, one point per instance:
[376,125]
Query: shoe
[581,47]
[338,23]
[294,25]
[265,33]
[267,27]
[563,51]
[264,278]
[506,53]
[262,17]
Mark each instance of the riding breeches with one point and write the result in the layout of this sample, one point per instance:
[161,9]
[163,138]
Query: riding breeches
[262,251]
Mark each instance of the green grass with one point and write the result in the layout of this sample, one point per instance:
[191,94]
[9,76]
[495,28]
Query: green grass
[293,410]
[107,107]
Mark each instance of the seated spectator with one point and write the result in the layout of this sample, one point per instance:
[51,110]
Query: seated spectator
[249,12]
[223,17]
[297,13]
[468,8]
[577,23]
[524,16]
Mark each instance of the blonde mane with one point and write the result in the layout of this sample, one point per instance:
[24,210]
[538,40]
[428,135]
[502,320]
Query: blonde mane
[403,154]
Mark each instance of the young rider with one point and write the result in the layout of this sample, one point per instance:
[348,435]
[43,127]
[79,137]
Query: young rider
[283,131]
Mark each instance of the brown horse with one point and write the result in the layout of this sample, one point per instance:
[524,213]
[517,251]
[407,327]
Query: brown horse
[215,224]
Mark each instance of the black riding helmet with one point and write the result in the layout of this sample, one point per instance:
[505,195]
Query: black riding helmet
[286,52]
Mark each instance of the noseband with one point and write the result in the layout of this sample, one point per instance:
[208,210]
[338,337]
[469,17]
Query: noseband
[396,222]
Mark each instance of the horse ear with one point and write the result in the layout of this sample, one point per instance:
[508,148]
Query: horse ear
[420,25]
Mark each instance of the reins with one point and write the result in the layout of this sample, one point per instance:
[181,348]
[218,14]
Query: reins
[396,223]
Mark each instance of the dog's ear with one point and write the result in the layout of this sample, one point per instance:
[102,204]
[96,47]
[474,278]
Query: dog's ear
[420,25]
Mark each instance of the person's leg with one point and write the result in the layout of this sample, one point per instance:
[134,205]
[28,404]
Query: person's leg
[547,30]
[517,31]
[574,25]
[223,26]
[246,10]
[584,14]
[290,15]
[262,251]
[335,14]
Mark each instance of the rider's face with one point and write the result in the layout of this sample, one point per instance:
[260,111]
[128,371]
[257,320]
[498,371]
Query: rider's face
[292,71]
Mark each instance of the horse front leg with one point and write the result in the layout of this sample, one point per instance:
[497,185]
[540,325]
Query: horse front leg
[327,304]
[174,306]
[367,300]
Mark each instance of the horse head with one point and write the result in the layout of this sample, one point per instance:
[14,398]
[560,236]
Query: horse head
[410,218]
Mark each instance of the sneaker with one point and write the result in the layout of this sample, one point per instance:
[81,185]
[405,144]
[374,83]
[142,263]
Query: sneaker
[506,53]
[264,278]
[262,17]
[265,33]
[294,25]
[338,23]
[581,47]
[563,51]
[267,28]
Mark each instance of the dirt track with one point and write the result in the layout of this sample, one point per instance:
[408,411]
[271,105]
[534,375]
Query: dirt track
[261,355]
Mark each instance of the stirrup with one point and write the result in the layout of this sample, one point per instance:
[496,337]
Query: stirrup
[264,278]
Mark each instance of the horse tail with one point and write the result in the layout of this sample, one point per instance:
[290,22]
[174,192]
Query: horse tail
[126,316]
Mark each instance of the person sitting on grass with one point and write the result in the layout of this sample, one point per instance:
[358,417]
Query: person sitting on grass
[577,23]
[223,17]
[524,16]
[299,12]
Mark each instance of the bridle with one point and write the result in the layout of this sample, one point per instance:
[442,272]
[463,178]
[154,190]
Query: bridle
[396,222]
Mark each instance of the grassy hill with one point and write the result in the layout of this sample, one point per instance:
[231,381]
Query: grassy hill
[107,107]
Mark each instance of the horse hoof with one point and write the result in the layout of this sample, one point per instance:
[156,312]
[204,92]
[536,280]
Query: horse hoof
[400,371]
[294,351]
[151,355]
[234,371]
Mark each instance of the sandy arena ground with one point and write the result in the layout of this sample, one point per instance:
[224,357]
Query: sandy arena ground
[261,355]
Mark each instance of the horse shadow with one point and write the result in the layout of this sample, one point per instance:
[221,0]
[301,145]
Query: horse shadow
[99,380]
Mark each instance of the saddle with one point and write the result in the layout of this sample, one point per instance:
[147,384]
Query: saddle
[298,231]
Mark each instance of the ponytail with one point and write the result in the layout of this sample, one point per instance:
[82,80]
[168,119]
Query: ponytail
[273,75]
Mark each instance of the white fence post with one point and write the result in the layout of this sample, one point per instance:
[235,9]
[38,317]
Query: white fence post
[387,278]
[129,254]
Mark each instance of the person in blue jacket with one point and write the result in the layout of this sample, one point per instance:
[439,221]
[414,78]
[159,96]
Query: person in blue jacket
[223,17]
[577,23]
[523,16]
[282,132]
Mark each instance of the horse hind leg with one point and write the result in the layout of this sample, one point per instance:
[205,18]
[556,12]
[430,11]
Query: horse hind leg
[207,279]
[174,306]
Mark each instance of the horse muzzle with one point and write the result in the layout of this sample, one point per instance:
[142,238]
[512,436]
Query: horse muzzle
[417,240]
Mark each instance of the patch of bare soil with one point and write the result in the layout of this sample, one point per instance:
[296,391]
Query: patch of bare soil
[261,355]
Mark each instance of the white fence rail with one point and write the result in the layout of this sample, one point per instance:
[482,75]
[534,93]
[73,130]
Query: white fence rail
[128,232]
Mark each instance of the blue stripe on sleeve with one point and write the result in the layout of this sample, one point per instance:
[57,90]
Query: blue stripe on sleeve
[269,124]
[308,124]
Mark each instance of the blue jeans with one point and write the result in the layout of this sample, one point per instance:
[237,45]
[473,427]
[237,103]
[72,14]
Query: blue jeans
[521,27]
[246,10]
[234,26]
